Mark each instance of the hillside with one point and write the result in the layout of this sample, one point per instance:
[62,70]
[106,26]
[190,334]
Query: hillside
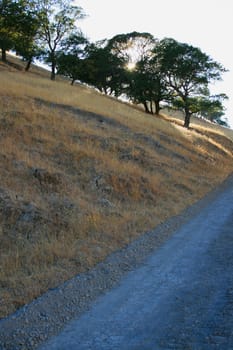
[83,174]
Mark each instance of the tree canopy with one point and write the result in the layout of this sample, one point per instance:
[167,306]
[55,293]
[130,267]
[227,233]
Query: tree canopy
[58,22]
[18,25]
[135,65]
[187,72]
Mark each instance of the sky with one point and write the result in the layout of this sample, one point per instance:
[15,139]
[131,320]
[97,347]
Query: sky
[206,24]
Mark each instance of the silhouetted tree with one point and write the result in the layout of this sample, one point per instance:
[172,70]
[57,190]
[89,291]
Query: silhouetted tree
[70,61]
[146,85]
[104,70]
[187,72]
[132,47]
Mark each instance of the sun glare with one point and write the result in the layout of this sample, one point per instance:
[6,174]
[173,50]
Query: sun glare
[131,66]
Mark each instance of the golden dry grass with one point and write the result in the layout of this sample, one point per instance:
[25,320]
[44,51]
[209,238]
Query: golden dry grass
[83,174]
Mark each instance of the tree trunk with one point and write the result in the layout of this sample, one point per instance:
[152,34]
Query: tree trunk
[28,65]
[4,55]
[53,65]
[146,107]
[72,81]
[187,119]
[53,74]
[157,107]
[151,107]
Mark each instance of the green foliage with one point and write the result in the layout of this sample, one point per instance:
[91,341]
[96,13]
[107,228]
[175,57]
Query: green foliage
[187,72]
[146,85]
[70,61]
[163,71]
[104,70]
[27,45]
[132,47]
[211,108]
[58,21]
[16,21]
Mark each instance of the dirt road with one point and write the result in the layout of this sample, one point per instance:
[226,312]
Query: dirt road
[180,298]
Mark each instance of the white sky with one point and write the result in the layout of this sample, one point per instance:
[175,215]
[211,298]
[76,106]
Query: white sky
[207,24]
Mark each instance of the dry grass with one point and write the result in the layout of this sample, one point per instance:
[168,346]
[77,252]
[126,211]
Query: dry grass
[75,186]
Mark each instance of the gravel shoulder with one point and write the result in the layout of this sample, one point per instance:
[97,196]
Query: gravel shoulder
[46,316]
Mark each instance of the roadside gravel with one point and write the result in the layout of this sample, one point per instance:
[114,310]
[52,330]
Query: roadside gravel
[46,316]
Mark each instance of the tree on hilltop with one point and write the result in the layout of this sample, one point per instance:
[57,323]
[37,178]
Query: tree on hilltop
[187,72]
[146,85]
[58,22]
[27,45]
[19,25]
[131,47]
[18,22]
[6,27]
[211,108]
[104,70]
[71,58]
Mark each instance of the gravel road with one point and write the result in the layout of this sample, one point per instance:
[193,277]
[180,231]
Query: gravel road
[157,293]
[180,298]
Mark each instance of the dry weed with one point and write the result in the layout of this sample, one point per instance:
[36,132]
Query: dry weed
[77,186]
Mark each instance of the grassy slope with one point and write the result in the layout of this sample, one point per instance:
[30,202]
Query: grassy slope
[76,185]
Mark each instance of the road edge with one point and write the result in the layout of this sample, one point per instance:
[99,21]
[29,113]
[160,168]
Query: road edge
[46,316]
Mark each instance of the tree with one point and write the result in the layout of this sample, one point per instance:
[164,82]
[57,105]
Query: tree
[58,22]
[29,50]
[19,23]
[70,61]
[26,44]
[103,69]
[187,72]
[146,85]
[135,51]
[211,108]
[132,47]
[9,12]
